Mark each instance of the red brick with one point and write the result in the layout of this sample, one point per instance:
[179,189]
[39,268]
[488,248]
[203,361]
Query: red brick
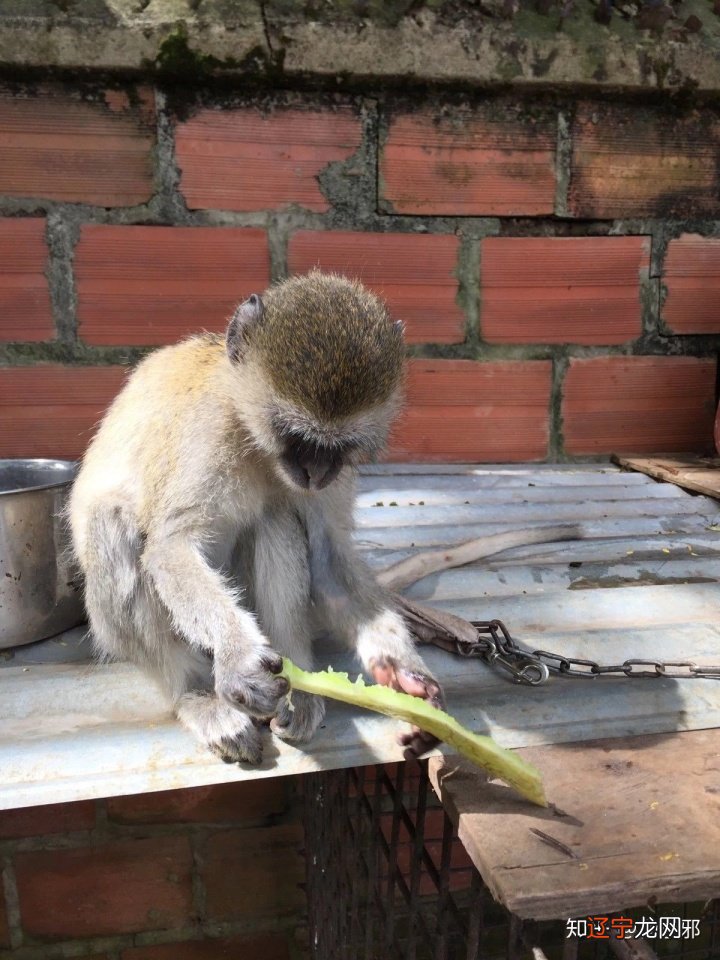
[630,162]
[4,928]
[692,277]
[562,289]
[469,164]
[254,874]
[122,887]
[155,285]
[57,147]
[269,946]
[25,311]
[248,160]
[51,411]
[53,818]
[219,803]
[639,405]
[414,273]
[459,410]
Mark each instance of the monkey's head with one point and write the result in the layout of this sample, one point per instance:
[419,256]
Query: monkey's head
[320,369]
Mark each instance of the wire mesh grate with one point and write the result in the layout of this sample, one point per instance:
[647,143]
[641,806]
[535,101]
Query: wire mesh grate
[388,879]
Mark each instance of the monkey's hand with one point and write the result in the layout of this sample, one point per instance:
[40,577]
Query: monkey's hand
[390,657]
[389,673]
[249,679]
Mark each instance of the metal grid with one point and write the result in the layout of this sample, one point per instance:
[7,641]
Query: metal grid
[388,879]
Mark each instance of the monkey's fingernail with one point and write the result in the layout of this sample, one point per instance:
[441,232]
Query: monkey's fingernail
[273,664]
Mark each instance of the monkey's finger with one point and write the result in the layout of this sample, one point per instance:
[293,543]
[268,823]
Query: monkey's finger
[420,685]
[383,672]
[272,662]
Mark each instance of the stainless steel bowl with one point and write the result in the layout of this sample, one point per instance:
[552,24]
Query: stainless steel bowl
[40,591]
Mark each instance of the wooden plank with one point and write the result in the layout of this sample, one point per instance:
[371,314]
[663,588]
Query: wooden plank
[700,474]
[634,838]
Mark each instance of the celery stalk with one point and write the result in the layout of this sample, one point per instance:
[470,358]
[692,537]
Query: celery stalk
[481,750]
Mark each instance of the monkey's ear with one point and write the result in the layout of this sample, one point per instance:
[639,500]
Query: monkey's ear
[248,315]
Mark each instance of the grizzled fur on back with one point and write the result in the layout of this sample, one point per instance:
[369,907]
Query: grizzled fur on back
[329,345]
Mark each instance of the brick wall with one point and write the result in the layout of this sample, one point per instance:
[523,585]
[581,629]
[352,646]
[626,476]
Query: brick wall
[556,261]
[199,874]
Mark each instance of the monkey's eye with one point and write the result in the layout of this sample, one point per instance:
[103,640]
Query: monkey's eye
[311,466]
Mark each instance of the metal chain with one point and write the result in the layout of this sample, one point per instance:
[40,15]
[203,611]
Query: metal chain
[496,646]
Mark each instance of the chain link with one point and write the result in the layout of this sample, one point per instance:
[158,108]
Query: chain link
[496,646]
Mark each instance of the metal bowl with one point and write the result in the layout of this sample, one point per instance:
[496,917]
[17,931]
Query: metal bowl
[40,592]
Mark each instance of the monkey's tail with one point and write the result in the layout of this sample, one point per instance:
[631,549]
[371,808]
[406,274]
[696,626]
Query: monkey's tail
[407,571]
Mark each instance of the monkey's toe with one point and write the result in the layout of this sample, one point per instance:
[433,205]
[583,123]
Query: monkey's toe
[300,721]
[417,743]
[241,749]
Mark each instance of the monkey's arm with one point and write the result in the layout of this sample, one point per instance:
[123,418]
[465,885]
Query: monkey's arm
[356,605]
[205,611]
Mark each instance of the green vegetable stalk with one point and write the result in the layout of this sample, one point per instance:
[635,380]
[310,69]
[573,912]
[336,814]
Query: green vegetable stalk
[481,750]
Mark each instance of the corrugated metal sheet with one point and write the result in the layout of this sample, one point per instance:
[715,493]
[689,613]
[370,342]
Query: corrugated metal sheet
[642,582]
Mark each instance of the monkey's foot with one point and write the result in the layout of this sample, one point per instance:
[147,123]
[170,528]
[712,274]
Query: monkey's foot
[390,673]
[302,720]
[228,732]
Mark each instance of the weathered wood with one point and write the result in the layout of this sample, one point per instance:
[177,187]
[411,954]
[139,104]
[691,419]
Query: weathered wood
[642,817]
[701,474]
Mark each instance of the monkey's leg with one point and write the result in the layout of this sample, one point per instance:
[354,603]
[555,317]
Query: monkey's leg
[129,622]
[282,599]
[206,613]
[231,734]
[186,674]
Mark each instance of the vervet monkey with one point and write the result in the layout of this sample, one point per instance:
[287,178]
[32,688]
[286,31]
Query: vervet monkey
[212,514]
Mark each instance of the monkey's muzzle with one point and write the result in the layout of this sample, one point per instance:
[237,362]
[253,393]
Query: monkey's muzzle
[311,466]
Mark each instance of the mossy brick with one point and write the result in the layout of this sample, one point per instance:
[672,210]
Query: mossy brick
[25,308]
[416,274]
[253,875]
[691,275]
[582,290]
[485,162]
[630,161]
[639,405]
[217,803]
[120,887]
[267,946]
[462,410]
[140,286]
[55,146]
[50,410]
[41,821]
[244,159]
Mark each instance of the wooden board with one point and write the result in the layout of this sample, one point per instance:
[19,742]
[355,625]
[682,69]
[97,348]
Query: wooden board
[640,819]
[701,474]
